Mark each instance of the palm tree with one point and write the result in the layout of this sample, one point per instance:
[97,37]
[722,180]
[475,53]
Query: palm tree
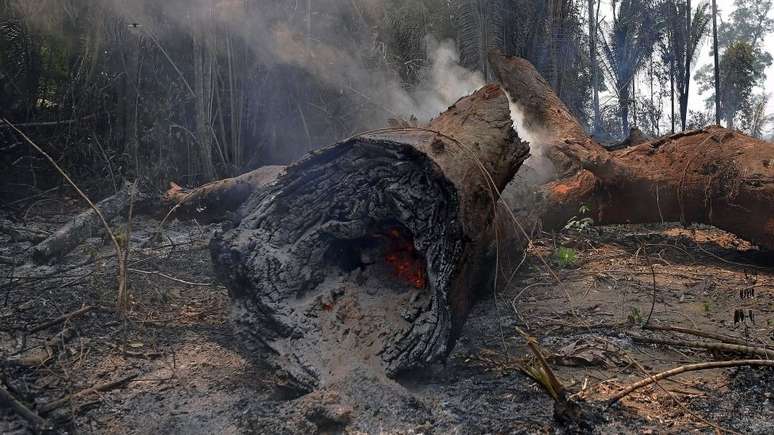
[625,48]
[480,30]
[683,35]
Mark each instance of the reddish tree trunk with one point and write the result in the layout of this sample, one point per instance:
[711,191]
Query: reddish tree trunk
[712,176]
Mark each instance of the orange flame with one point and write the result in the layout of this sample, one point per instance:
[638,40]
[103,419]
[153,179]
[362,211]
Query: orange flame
[407,264]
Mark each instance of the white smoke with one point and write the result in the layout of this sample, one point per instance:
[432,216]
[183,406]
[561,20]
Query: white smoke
[443,83]
[540,167]
[446,82]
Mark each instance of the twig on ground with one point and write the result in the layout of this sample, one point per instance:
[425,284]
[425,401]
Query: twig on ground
[61,319]
[50,406]
[717,427]
[37,422]
[133,354]
[720,347]
[171,278]
[697,333]
[687,368]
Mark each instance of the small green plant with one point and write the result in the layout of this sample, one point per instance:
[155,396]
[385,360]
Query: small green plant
[706,306]
[565,257]
[635,317]
[580,223]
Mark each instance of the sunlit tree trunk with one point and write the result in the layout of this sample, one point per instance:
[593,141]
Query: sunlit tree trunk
[672,90]
[717,62]
[687,79]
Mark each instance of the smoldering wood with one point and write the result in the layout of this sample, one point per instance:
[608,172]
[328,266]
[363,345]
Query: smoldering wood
[310,295]
[712,176]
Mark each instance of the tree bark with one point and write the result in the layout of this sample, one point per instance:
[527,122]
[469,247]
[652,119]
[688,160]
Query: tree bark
[318,288]
[715,58]
[713,176]
[215,201]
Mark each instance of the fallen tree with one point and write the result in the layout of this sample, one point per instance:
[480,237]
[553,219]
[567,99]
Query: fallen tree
[366,253]
[713,176]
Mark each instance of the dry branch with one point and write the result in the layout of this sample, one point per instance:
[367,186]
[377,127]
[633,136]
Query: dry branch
[107,386]
[63,318]
[719,347]
[37,422]
[697,333]
[85,225]
[687,368]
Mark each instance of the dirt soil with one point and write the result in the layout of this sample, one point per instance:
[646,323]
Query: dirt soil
[191,377]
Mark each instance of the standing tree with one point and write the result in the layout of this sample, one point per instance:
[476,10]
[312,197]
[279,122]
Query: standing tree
[627,46]
[481,30]
[683,35]
[593,14]
[739,76]
[742,62]
[715,56]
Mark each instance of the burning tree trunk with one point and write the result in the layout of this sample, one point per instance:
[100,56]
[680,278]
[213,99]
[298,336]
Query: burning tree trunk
[365,254]
[713,176]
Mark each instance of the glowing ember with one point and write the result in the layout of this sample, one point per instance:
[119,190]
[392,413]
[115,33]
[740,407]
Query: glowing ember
[406,262]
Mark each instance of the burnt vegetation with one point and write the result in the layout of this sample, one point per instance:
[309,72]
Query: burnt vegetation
[473,216]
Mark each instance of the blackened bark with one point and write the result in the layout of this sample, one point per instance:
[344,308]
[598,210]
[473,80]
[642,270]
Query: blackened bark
[311,298]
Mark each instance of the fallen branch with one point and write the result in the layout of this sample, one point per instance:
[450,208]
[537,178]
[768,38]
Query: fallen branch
[48,123]
[49,350]
[720,347]
[687,368]
[711,335]
[83,226]
[61,319]
[50,406]
[37,422]
[171,278]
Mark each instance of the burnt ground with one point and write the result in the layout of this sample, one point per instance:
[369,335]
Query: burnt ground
[190,377]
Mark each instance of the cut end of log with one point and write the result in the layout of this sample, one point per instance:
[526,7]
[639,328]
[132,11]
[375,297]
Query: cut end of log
[339,264]
[363,254]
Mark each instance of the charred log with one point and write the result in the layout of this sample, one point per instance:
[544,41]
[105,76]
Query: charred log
[85,225]
[365,254]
